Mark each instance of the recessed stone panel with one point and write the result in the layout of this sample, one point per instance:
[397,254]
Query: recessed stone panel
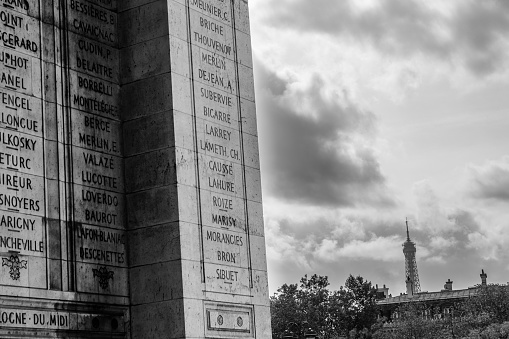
[20,33]
[20,73]
[98,207]
[98,170]
[21,192]
[21,153]
[30,8]
[93,58]
[221,176]
[212,35]
[228,320]
[101,279]
[216,10]
[89,88]
[22,270]
[20,113]
[96,133]
[94,22]
[100,245]
[224,247]
[214,70]
[39,319]
[222,211]
[227,279]
[216,105]
[90,104]
[29,229]
[218,141]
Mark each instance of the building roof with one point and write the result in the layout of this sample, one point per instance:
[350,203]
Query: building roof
[429,296]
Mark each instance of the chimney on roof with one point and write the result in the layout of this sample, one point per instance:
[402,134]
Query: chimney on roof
[382,292]
[448,285]
[484,276]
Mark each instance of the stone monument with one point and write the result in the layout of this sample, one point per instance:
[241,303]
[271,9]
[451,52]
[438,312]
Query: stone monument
[130,200]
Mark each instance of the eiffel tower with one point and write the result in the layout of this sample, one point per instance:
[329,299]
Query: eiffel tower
[411,273]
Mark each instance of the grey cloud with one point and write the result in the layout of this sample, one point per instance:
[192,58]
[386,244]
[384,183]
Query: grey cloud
[475,33]
[460,263]
[490,181]
[310,157]
[466,224]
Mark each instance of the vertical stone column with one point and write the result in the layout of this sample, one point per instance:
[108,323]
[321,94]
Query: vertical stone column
[54,141]
[197,252]
[23,203]
[97,171]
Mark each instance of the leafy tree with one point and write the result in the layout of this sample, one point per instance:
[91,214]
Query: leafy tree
[487,313]
[305,305]
[330,314]
[491,300]
[358,301]
[411,324]
[493,331]
[482,316]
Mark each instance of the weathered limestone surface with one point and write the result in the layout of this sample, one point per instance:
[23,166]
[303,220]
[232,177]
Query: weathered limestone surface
[130,196]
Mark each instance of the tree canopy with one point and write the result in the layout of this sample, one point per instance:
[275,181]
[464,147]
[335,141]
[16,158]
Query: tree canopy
[329,313]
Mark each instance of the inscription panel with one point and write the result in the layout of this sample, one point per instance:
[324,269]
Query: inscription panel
[222,197]
[94,95]
[22,187]
[100,245]
[19,32]
[211,34]
[98,170]
[226,279]
[221,176]
[20,73]
[22,234]
[98,207]
[225,247]
[21,152]
[93,58]
[92,21]
[218,141]
[215,104]
[19,112]
[217,10]
[21,318]
[99,201]
[21,193]
[96,133]
[21,6]
[228,320]
[214,70]
[222,211]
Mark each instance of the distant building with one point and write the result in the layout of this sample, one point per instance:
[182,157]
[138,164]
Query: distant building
[441,301]
[412,275]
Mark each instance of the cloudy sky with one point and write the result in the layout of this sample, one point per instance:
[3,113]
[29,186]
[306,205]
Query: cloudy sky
[371,111]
